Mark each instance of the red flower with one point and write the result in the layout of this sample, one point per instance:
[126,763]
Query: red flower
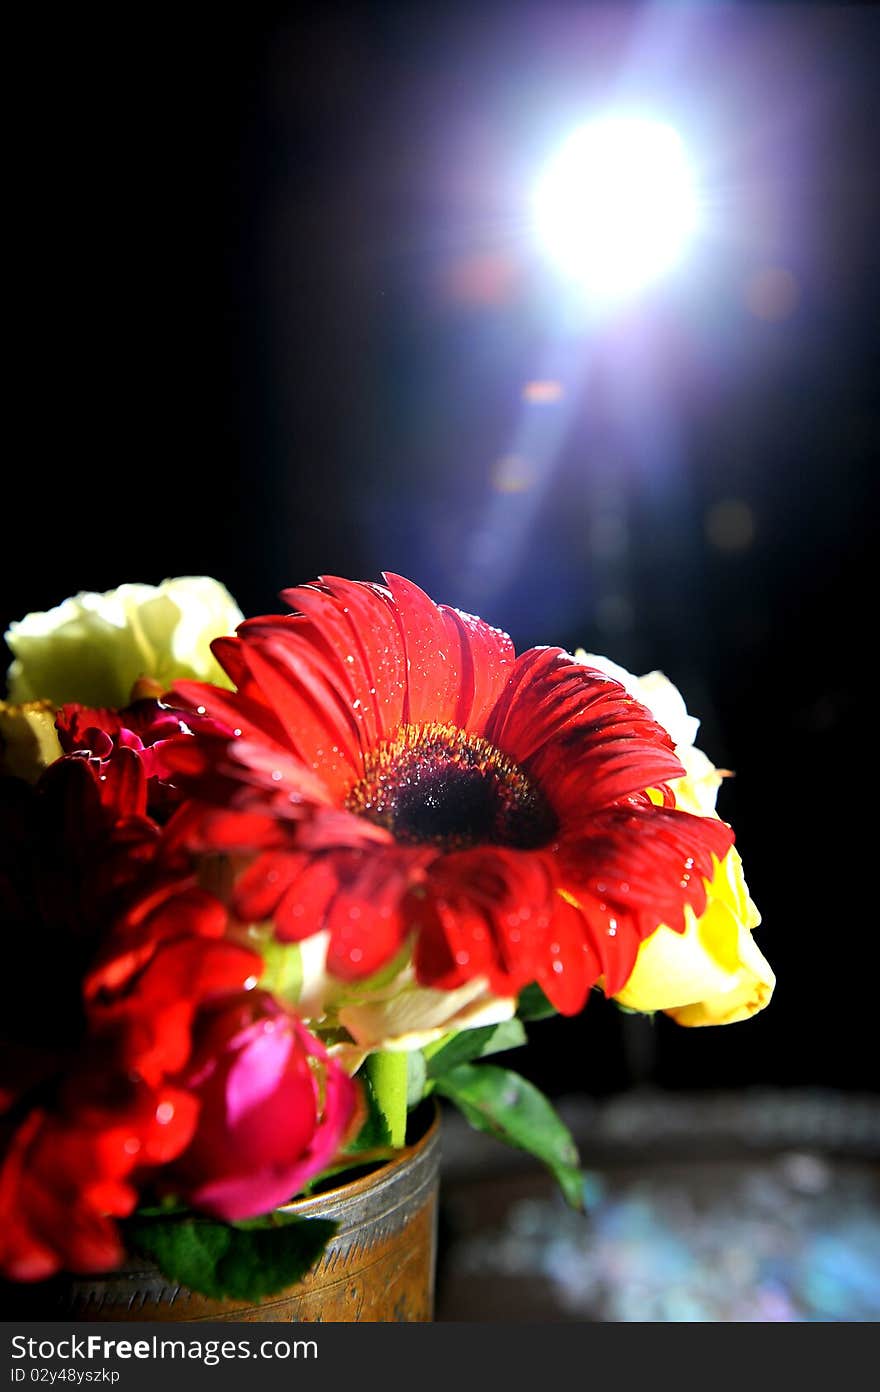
[69,865]
[119,1110]
[100,736]
[402,775]
[113,950]
[67,1173]
[274,1108]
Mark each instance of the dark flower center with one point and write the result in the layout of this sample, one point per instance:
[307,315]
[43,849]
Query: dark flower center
[437,784]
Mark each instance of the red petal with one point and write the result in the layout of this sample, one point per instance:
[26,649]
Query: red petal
[454,943]
[486,660]
[231,658]
[487,912]
[316,725]
[303,907]
[433,681]
[178,912]
[571,966]
[124,784]
[374,641]
[579,734]
[332,627]
[164,1140]
[611,938]
[235,711]
[262,885]
[194,968]
[198,827]
[297,786]
[366,919]
[646,862]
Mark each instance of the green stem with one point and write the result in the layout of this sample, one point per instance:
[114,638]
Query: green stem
[387,1073]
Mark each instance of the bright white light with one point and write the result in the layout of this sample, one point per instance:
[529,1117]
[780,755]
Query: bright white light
[617,205]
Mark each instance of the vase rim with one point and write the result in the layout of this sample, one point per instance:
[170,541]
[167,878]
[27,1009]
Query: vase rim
[386,1172]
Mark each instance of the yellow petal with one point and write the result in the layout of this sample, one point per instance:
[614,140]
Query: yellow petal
[697,792]
[713,973]
[28,739]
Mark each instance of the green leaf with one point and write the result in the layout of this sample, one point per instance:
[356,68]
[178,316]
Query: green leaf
[375,1132]
[534,1005]
[508,1107]
[232,1261]
[466,1045]
[387,1072]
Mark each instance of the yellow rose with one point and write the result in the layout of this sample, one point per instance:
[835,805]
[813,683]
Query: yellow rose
[713,973]
[94,647]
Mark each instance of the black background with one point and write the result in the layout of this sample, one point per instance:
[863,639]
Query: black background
[274,305]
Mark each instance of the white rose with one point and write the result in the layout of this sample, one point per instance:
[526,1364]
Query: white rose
[92,648]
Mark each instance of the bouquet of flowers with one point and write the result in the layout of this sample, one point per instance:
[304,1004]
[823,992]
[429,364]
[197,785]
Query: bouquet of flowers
[267,884]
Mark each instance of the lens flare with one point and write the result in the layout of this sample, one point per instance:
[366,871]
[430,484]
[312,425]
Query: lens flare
[617,205]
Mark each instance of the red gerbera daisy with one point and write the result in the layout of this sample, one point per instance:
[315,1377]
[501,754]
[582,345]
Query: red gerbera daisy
[398,774]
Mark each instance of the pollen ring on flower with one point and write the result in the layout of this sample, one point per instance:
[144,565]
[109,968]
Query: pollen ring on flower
[437,784]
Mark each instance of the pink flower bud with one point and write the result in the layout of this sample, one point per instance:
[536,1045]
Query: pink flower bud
[274,1108]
